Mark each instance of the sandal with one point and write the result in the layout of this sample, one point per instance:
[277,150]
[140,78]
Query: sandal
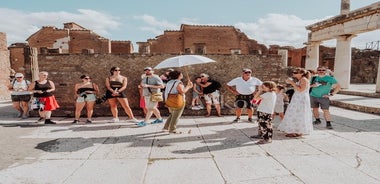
[263,141]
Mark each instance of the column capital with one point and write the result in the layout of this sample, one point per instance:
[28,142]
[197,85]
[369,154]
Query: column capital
[346,37]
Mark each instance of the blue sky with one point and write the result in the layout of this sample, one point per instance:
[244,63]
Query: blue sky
[280,22]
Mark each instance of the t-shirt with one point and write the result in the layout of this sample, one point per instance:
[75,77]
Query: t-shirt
[267,103]
[326,82]
[245,87]
[153,80]
[215,85]
[20,88]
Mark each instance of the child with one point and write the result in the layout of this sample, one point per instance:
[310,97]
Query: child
[197,91]
[281,98]
[265,110]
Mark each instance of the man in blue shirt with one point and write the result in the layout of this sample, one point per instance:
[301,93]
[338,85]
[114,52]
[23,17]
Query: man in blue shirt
[320,95]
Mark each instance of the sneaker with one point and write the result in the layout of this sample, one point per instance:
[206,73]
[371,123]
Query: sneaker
[24,116]
[256,137]
[134,120]
[157,121]
[328,126]
[88,121]
[250,120]
[236,120]
[19,115]
[48,121]
[317,122]
[115,120]
[141,124]
[40,120]
[200,107]
[195,108]
[75,121]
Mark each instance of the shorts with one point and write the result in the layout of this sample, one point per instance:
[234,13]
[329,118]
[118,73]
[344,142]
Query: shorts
[212,97]
[149,104]
[18,98]
[243,101]
[316,102]
[86,98]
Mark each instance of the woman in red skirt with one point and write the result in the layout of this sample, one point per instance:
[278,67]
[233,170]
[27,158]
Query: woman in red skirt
[43,90]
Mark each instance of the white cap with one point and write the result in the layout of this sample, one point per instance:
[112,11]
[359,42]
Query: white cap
[19,75]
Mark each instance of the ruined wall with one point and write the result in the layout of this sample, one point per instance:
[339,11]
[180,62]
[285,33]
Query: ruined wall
[50,37]
[71,66]
[4,67]
[85,39]
[364,66]
[170,42]
[121,47]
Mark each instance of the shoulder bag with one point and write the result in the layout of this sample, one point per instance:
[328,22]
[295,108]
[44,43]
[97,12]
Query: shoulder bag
[156,96]
[174,100]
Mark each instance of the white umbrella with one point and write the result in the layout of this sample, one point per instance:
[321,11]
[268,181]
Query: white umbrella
[183,60]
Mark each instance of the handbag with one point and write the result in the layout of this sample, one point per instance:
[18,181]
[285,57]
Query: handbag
[156,96]
[174,100]
[36,104]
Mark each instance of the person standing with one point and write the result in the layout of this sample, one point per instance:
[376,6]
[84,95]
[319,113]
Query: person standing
[245,86]
[264,111]
[151,84]
[20,95]
[196,103]
[211,93]
[297,119]
[85,95]
[281,98]
[175,86]
[117,93]
[43,89]
[320,95]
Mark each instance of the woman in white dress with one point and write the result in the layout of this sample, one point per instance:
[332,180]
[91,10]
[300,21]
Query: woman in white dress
[298,116]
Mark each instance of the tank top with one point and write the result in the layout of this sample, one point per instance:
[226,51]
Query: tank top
[42,87]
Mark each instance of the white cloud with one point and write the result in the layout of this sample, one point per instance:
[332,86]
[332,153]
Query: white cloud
[155,24]
[19,25]
[277,29]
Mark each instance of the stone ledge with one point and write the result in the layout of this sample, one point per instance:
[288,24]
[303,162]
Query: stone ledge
[356,107]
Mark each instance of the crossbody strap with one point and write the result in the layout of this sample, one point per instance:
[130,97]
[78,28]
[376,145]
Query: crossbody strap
[150,91]
[172,87]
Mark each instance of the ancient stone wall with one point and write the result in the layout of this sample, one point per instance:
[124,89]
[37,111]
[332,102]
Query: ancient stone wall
[65,70]
[364,66]
[4,67]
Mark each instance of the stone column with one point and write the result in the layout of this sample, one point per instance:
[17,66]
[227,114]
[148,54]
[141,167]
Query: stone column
[345,7]
[312,55]
[378,78]
[33,55]
[342,63]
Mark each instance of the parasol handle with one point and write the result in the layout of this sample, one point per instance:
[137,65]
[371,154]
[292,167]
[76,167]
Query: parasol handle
[187,74]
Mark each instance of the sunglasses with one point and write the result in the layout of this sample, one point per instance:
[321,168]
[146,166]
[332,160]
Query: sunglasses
[18,77]
[87,78]
[247,72]
[117,70]
[321,70]
[295,73]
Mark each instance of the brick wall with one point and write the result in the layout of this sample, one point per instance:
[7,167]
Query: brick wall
[71,66]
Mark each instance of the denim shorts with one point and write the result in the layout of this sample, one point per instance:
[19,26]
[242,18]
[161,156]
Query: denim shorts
[86,98]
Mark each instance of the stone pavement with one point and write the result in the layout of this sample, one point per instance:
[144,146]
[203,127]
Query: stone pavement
[210,150]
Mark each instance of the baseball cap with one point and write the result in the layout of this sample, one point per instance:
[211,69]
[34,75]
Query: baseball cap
[247,70]
[148,68]
[19,75]
[204,75]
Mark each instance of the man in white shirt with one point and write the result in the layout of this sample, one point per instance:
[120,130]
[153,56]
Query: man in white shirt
[245,87]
